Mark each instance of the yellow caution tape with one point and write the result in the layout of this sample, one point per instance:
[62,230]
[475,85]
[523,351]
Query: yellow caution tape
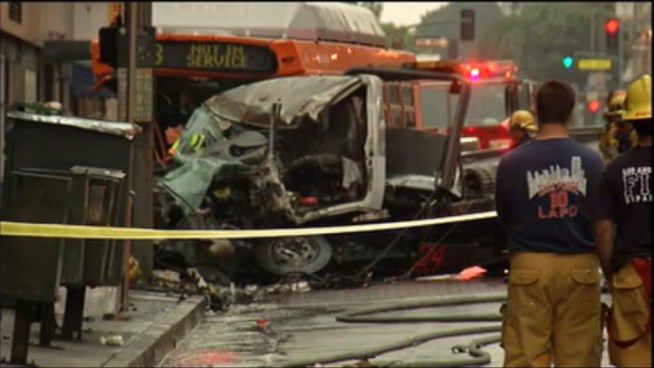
[25,229]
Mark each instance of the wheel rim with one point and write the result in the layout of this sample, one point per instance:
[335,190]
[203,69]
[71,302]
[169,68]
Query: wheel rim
[294,252]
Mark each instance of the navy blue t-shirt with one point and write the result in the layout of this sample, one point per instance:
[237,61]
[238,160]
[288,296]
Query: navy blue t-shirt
[625,196]
[544,195]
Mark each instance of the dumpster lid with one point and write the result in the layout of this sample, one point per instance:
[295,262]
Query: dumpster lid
[126,130]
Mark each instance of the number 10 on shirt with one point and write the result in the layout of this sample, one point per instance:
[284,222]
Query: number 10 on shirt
[559,206]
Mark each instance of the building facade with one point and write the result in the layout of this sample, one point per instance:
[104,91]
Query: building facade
[30,34]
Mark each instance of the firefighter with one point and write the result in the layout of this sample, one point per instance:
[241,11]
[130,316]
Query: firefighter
[625,199]
[617,136]
[195,143]
[522,127]
[543,193]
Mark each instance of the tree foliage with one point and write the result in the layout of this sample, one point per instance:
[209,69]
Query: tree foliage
[394,32]
[542,35]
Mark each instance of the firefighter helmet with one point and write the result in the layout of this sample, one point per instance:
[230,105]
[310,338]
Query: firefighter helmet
[613,93]
[638,105]
[523,119]
[616,104]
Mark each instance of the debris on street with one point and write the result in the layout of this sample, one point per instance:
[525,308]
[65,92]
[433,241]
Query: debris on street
[115,317]
[166,276]
[115,340]
[471,273]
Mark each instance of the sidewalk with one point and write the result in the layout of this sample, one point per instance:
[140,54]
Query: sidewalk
[157,323]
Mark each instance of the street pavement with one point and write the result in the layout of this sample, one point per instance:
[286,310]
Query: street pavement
[151,321]
[300,325]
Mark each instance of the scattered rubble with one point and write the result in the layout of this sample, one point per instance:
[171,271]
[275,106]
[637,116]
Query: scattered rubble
[166,276]
[115,340]
[465,275]
[115,317]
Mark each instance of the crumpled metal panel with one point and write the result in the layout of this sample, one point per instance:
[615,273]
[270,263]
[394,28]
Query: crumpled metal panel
[190,182]
[126,130]
[418,182]
[331,21]
[375,146]
[301,97]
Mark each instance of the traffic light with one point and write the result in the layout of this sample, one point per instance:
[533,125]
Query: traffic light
[467,25]
[612,30]
[567,62]
[109,44]
[111,39]
[593,106]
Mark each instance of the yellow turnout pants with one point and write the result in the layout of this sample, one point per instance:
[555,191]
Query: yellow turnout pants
[553,311]
[631,309]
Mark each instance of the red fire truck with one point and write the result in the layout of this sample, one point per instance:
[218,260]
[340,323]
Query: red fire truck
[496,93]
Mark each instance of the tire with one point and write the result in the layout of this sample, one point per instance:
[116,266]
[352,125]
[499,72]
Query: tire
[306,255]
[196,253]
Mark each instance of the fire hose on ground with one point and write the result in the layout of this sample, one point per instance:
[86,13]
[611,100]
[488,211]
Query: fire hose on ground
[477,357]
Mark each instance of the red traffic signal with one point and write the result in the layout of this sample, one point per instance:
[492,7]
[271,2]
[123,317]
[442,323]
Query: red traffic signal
[593,106]
[611,26]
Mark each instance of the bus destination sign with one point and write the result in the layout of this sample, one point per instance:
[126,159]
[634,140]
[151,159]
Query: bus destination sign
[213,56]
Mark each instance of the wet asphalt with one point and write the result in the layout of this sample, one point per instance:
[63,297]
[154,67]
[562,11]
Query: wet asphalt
[295,326]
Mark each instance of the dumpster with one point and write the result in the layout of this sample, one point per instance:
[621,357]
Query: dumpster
[63,170]
[30,267]
[92,200]
[74,146]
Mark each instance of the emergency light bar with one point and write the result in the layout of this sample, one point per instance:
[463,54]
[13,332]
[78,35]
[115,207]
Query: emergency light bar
[472,70]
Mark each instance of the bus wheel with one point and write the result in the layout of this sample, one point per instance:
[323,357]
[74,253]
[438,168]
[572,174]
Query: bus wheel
[281,256]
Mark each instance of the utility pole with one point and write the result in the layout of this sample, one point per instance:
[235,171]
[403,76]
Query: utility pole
[144,209]
[3,99]
[2,110]
[135,101]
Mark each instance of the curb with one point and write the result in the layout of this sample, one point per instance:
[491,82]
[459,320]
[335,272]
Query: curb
[151,347]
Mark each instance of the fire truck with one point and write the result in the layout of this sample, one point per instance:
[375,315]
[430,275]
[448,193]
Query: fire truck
[495,94]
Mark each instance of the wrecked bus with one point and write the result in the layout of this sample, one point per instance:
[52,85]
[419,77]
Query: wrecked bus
[313,150]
